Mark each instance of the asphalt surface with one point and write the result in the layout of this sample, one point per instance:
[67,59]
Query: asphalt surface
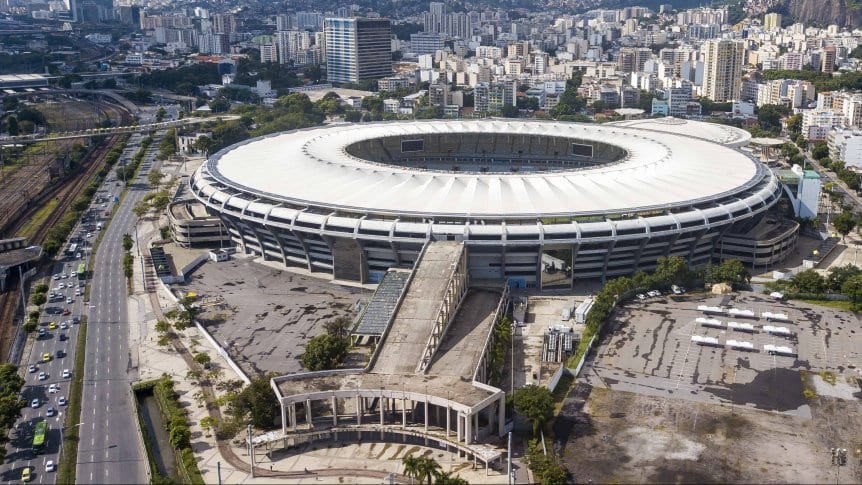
[19,451]
[110,449]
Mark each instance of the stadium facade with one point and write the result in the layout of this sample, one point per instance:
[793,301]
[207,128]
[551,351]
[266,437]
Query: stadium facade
[538,202]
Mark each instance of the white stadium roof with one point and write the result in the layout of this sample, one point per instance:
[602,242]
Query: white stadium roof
[312,167]
[714,132]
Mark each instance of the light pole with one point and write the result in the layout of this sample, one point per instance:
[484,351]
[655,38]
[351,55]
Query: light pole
[839,459]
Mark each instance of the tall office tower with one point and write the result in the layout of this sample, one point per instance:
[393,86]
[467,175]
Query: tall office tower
[772,21]
[827,58]
[723,61]
[224,23]
[357,49]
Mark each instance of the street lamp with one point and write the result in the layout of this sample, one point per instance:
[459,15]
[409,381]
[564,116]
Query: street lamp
[839,459]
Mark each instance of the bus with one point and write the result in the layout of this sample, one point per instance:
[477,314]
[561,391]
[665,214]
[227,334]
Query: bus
[82,271]
[72,249]
[39,437]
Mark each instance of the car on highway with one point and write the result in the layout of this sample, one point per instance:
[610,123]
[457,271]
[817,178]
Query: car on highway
[62,276]
[66,374]
[49,466]
[66,311]
[25,474]
[43,376]
[35,403]
[61,286]
[50,411]
[89,234]
[46,357]
[63,325]
[69,300]
[60,353]
[32,368]
[53,389]
[77,292]
[52,325]
[76,319]
[61,401]
[57,276]
[63,337]
[42,332]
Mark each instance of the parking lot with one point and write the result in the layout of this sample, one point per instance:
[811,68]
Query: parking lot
[649,350]
[262,315]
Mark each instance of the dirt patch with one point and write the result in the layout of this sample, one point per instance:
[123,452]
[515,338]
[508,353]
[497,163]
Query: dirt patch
[623,437]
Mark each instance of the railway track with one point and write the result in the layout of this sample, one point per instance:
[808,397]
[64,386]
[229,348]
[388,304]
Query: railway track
[65,195]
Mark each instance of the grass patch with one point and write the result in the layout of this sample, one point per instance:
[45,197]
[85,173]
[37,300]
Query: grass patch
[38,219]
[837,304]
[562,390]
[68,463]
[829,377]
[807,388]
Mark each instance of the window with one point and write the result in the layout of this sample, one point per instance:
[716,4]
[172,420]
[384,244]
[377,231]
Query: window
[412,146]
[582,150]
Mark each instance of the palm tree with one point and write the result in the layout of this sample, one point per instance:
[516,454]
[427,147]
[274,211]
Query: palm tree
[428,469]
[411,466]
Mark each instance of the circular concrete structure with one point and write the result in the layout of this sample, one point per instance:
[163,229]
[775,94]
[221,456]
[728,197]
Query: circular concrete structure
[530,198]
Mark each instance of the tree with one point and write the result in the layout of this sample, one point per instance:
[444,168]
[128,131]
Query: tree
[446,478]
[38,299]
[208,422]
[672,270]
[325,352]
[128,242]
[155,177]
[809,281]
[428,469]
[547,469]
[256,403]
[730,271]
[819,150]
[536,403]
[202,359]
[340,327]
[839,274]
[180,436]
[12,126]
[844,223]
[411,466]
[160,114]
[853,289]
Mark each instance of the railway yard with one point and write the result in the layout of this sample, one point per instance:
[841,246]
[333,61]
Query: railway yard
[37,181]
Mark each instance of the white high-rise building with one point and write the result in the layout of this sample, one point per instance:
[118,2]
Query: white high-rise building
[289,43]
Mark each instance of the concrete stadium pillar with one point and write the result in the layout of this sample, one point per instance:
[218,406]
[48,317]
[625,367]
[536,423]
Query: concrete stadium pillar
[334,402]
[501,416]
[380,403]
[403,413]
[293,416]
[468,429]
[308,413]
[358,410]
[426,414]
[448,420]
[283,420]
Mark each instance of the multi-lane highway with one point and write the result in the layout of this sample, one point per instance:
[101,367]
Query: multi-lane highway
[109,450]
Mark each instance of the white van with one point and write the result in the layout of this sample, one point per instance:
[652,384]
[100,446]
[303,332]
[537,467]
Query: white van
[99,226]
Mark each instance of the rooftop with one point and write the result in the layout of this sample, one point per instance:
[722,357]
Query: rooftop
[714,132]
[658,171]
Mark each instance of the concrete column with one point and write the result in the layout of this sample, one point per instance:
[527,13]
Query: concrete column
[501,416]
[458,435]
[468,429]
[293,415]
[403,413]
[283,420]
[358,410]
[381,410]
[308,412]
[437,415]
[475,425]
[448,420]
[334,402]
[426,414]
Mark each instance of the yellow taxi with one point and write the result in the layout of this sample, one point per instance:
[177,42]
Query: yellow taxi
[52,326]
[25,475]
[46,357]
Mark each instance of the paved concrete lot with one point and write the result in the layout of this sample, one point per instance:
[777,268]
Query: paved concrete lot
[649,350]
[264,316]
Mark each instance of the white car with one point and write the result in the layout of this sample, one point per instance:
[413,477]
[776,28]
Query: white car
[43,376]
[77,292]
[50,411]
[49,466]
[66,374]
[69,300]
[61,401]
[32,368]
[53,389]
[62,276]
[35,403]
[61,286]
[641,296]
[57,276]
[63,325]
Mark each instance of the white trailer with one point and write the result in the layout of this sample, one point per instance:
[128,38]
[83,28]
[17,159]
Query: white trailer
[710,341]
[783,331]
[741,327]
[711,309]
[709,322]
[738,345]
[775,317]
[779,350]
[582,310]
[740,313]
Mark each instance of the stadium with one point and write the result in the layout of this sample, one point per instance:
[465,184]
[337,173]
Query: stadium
[540,203]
